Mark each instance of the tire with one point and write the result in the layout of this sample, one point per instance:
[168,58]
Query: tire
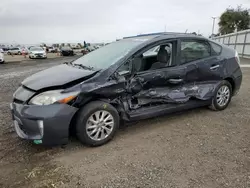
[19,53]
[82,123]
[215,104]
[30,57]
[8,53]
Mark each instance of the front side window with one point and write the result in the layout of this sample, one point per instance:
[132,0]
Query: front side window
[194,50]
[158,57]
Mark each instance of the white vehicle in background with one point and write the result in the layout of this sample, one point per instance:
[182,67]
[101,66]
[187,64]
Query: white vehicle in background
[51,49]
[37,52]
[1,56]
[15,51]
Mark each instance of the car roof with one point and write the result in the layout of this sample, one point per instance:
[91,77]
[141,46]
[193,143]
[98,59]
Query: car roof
[162,36]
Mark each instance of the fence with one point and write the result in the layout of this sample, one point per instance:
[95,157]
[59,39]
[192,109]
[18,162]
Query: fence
[240,41]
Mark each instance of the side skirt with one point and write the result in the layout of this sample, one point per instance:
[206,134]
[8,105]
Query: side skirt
[153,111]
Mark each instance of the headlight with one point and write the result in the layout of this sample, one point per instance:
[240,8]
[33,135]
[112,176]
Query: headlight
[50,97]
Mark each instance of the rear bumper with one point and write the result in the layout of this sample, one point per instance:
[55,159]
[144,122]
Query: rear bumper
[49,124]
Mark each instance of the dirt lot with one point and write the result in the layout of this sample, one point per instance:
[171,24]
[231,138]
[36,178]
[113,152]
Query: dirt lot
[197,148]
[22,59]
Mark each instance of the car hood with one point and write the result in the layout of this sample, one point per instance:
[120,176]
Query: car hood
[56,76]
[38,51]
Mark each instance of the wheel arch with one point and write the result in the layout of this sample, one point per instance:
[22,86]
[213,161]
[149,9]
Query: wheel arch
[232,82]
[72,125]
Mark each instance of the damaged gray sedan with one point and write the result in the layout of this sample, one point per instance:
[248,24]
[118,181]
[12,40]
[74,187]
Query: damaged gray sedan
[131,79]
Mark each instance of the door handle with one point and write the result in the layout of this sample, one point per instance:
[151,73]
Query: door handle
[213,67]
[175,80]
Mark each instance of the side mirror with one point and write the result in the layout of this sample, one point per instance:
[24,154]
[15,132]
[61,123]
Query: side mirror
[137,64]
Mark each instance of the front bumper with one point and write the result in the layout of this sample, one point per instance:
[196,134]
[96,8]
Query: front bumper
[38,55]
[49,123]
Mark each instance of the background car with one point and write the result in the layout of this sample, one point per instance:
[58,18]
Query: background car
[84,51]
[67,51]
[5,50]
[1,57]
[15,51]
[25,51]
[37,52]
[51,50]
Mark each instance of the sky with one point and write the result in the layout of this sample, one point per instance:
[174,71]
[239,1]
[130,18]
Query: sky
[56,21]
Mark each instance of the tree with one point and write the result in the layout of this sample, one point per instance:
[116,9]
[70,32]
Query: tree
[234,19]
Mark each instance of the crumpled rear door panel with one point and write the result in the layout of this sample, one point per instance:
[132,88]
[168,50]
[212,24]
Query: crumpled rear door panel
[155,87]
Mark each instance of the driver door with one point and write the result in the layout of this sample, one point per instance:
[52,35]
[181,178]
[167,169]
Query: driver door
[152,85]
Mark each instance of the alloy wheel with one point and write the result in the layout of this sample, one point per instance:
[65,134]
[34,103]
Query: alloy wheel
[223,95]
[100,125]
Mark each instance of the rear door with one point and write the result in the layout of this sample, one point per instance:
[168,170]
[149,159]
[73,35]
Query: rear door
[200,53]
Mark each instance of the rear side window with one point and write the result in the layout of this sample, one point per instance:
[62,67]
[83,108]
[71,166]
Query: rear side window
[194,50]
[216,48]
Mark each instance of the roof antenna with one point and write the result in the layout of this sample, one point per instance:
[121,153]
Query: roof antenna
[186,31]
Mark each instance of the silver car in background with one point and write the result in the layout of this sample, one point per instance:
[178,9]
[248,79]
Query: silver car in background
[37,52]
[1,56]
[15,51]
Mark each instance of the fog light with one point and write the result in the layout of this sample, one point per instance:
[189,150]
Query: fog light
[40,126]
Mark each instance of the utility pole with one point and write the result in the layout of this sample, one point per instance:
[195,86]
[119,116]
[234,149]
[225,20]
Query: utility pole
[213,25]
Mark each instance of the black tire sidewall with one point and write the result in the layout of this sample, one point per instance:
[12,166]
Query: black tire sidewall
[214,101]
[83,116]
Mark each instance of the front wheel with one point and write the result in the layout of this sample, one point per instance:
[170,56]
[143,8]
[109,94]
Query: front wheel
[97,123]
[222,97]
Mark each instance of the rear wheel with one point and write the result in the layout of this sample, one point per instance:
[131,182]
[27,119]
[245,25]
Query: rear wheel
[222,96]
[97,123]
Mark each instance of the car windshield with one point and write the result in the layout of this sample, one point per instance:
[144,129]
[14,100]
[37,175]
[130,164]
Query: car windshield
[105,56]
[36,49]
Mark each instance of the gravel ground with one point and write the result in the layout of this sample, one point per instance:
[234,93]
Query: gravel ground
[197,148]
